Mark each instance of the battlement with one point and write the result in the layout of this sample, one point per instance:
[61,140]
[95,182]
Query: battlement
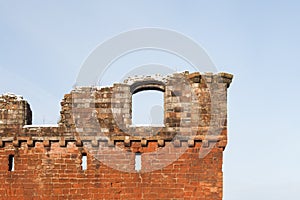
[97,122]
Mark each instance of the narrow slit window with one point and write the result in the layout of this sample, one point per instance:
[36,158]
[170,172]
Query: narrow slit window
[11,163]
[84,161]
[138,162]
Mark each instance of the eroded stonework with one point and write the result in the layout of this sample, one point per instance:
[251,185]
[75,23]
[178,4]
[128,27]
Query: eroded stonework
[180,160]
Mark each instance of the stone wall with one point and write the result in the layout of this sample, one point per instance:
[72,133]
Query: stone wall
[180,160]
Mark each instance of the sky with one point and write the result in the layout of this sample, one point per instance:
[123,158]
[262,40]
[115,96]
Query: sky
[44,43]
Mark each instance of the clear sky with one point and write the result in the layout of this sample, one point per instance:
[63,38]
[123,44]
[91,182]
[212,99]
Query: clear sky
[43,44]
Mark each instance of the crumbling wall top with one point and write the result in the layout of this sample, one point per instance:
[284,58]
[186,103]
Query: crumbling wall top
[15,112]
[200,108]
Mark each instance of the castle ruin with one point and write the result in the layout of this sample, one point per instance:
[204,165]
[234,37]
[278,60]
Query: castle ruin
[180,160]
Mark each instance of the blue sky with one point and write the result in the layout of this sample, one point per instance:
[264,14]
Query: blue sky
[44,43]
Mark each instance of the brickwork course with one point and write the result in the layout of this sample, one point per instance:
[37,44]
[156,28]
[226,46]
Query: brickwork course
[180,160]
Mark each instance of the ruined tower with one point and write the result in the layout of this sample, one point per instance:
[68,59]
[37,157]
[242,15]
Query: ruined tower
[92,152]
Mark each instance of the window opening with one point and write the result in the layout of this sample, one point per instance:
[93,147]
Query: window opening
[148,108]
[84,161]
[138,161]
[11,163]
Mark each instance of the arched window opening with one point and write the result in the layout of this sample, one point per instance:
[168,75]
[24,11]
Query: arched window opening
[148,108]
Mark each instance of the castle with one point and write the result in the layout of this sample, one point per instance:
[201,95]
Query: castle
[92,152]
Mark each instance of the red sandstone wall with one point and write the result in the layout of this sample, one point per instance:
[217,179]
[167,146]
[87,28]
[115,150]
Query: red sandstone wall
[55,173]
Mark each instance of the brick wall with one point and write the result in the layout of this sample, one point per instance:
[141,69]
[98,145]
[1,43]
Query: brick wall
[180,160]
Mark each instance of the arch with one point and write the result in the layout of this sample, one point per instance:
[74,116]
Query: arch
[147,85]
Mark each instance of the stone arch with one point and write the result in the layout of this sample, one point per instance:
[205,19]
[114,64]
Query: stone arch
[147,85]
